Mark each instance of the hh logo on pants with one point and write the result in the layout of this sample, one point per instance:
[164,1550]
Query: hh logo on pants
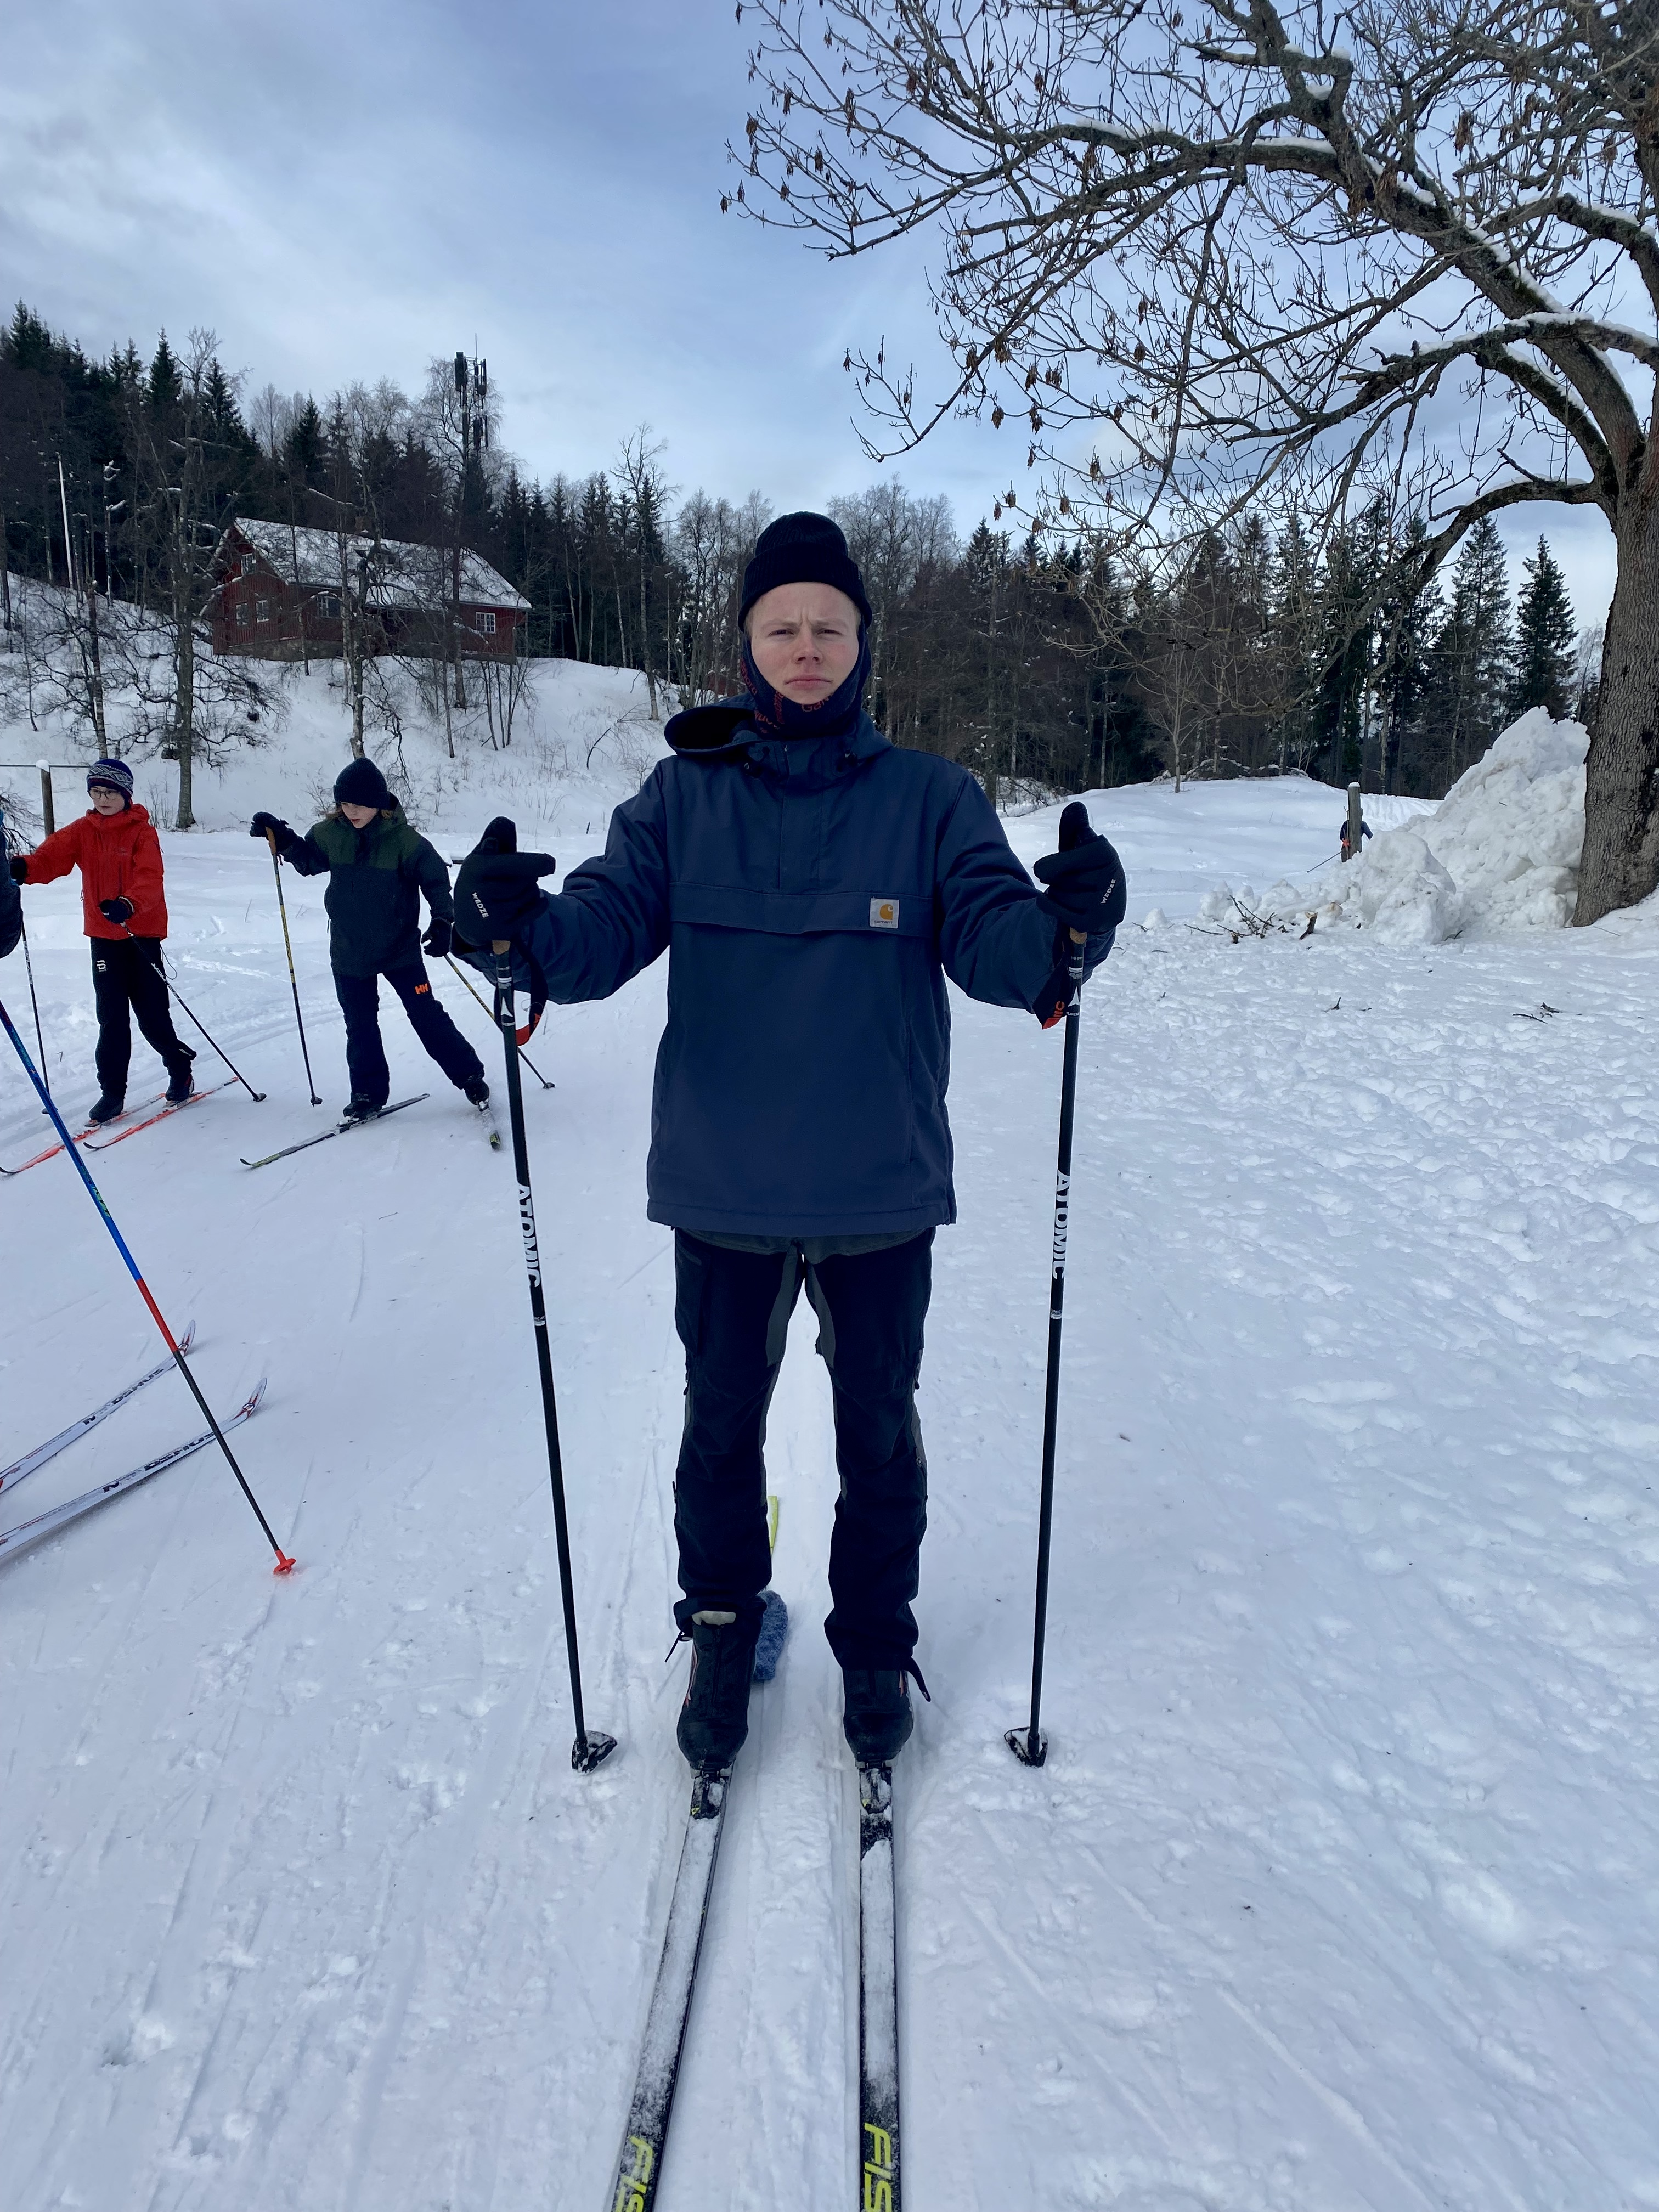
[422,990]
[883,913]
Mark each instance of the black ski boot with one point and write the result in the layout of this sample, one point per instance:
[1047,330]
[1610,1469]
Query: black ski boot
[877,1717]
[362,1109]
[180,1082]
[476,1093]
[714,1718]
[111,1103]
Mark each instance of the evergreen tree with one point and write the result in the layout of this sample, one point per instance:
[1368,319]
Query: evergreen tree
[304,450]
[1546,641]
[1408,623]
[1473,654]
[166,384]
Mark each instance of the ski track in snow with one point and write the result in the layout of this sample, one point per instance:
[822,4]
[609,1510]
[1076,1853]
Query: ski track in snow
[1337,1891]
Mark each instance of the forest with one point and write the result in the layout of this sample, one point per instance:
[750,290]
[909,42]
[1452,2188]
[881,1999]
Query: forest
[1042,660]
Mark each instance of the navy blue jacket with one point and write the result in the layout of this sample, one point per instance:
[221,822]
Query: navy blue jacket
[375,877]
[11,907]
[813,895]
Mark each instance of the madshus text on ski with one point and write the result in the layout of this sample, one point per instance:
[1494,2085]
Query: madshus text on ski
[813,885]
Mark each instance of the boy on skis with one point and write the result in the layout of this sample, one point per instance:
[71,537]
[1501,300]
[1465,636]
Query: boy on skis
[377,867]
[813,885]
[125,914]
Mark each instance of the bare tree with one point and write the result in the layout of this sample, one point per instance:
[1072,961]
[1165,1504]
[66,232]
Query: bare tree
[644,496]
[713,541]
[1587,671]
[459,422]
[173,437]
[1274,253]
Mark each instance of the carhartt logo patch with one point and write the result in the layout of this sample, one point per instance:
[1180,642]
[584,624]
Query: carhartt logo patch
[883,913]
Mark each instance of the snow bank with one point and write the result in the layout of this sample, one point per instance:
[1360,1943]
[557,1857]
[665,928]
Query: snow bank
[1500,853]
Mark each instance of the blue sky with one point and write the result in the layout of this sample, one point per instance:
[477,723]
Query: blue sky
[345,190]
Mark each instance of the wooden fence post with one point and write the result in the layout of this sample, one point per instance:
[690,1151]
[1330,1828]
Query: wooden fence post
[1355,822]
[47,816]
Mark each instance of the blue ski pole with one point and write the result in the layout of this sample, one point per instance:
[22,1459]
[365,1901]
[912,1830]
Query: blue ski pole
[284,1565]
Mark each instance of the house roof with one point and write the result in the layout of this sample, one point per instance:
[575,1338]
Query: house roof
[400,575]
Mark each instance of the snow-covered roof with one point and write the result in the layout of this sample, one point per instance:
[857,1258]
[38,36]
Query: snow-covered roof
[399,573]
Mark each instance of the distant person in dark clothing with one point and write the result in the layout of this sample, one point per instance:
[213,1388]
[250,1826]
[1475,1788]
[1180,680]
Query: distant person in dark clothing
[377,867]
[123,911]
[1365,832]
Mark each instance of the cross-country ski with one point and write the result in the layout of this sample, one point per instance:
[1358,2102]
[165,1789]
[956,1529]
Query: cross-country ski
[101,1143]
[877,2150]
[645,2133]
[59,1516]
[342,1129]
[1020,638]
[32,1461]
[87,1130]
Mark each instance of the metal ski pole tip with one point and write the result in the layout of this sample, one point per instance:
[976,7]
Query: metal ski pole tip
[1019,1742]
[588,1752]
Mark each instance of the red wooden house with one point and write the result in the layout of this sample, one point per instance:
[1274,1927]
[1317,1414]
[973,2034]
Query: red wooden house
[282,588]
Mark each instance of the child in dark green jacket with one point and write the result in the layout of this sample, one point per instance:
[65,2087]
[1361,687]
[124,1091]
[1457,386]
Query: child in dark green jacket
[377,867]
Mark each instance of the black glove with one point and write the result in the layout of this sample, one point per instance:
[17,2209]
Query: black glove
[496,889]
[1085,877]
[272,825]
[18,868]
[438,937]
[117,909]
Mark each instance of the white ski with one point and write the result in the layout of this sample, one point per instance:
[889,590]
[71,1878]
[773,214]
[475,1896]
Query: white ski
[13,1540]
[12,1475]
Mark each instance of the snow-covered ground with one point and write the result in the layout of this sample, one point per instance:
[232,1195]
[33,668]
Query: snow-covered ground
[1338,1890]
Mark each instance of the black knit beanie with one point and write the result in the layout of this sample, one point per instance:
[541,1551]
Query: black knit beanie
[802,548]
[360,783]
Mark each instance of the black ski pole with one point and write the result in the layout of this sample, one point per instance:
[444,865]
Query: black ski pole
[34,1004]
[588,1749]
[294,981]
[284,1565]
[176,993]
[1028,1743]
[460,977]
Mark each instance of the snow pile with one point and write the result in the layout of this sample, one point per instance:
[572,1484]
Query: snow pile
[1405,894]
[1500,853]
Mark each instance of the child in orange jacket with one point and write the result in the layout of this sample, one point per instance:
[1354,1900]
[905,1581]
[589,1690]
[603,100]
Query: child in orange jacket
[126,916]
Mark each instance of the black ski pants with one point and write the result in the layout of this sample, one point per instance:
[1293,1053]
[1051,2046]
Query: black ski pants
[733,1311]
[360,1002]
[127,980]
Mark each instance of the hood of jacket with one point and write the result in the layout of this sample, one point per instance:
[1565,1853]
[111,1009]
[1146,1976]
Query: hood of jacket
[726,732]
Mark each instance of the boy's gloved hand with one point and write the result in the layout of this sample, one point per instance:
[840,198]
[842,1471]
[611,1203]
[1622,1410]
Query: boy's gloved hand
[272,825]
[117,909]
[1084,877]
[18,868]
[438,938]
[496,889]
